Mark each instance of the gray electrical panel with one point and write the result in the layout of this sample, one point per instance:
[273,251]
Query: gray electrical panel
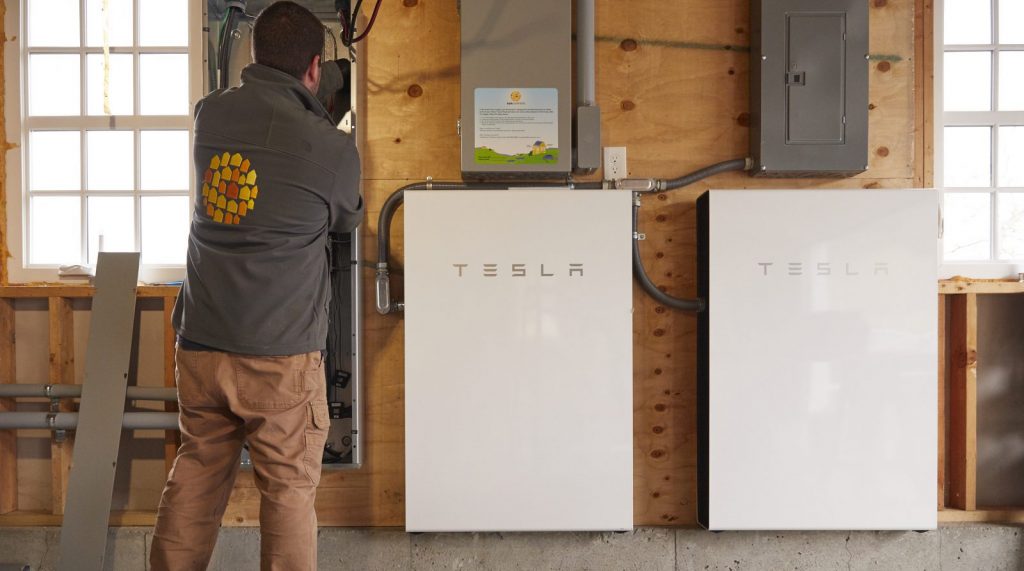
[516,89]
[809,87]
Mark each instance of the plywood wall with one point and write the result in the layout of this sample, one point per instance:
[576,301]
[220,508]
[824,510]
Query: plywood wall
[672,84]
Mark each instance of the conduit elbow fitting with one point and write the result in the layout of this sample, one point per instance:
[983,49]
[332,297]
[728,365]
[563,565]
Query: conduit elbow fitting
[637,184]
[383,290]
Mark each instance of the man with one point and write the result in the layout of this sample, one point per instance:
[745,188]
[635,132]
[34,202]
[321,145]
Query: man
[275,176]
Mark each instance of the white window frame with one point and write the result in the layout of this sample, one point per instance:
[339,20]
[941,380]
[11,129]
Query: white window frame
[992,268]
[18,126]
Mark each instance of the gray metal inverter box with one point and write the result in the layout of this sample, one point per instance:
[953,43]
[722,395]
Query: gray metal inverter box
[809,87]
[516,88]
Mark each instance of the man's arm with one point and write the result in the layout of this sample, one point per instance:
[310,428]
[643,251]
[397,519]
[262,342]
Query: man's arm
[345,203]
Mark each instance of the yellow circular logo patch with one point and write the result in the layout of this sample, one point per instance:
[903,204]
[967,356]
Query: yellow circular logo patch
[515,96]
[229,188]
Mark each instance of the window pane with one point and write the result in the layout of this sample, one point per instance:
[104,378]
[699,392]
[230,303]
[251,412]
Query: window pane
[165,160]
[113,219]
[967,157]
[111,160]
[968,22]
[1011,225]
[55,160]
[121,88]
[966,224]
[56,234]
[1011,156]
[54,82]
[165,222]
[1011,80]
[163,22]
[163,81]
[53,23]
[119,27]
[968,81]
[1011,14]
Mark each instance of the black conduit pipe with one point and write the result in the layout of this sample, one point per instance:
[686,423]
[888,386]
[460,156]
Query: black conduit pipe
[385,304]
[697,175]
[691,305]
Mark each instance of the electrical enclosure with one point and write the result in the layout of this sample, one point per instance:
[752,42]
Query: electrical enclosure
[809,87]
[516,89]
[518,360]
[817,359]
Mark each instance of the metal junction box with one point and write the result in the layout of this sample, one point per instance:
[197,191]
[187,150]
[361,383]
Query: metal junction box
[516,89]
[809,87]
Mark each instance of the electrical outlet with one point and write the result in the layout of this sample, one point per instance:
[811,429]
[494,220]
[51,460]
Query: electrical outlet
[615,163]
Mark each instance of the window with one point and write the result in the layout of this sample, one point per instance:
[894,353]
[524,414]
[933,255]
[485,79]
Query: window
[980,145]
[106,90]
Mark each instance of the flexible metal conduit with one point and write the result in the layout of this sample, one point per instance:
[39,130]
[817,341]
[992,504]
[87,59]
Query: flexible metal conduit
[385,304]
[75,391]
[69,420]
[692,305]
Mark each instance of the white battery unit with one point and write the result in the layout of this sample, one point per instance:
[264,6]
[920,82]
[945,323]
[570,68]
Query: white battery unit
[817,377]
[518,360]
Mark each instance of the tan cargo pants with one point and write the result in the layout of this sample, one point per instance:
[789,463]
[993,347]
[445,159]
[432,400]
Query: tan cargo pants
[279,406]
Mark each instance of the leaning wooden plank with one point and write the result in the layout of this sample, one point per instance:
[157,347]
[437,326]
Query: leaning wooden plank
[8,438]
[62,371]
[172,438]
[83,536]
[963,400]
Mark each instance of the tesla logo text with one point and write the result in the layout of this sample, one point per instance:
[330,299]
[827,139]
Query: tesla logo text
[519,270]
[849,269]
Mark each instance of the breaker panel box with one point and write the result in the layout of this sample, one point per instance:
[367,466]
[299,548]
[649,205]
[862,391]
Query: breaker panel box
[809,87]
[516,89]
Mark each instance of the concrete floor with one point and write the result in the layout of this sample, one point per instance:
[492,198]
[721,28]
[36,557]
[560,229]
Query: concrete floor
[953,547]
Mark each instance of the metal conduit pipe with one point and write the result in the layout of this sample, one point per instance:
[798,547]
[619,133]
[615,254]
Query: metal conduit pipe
[69,420]
[691,305]
[385,304]
[75,391]
[585,83]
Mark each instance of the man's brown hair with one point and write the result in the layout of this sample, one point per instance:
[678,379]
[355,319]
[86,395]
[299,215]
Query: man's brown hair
[286,37]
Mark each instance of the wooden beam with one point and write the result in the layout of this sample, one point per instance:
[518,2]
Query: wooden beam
[76,291]
[956,286]
[927,94]
[1007,516]
[963,397]
[62,371]
[942,388]
[8,438]
[43,519]
[172,439]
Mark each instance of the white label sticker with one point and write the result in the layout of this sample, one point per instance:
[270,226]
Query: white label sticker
[516,126]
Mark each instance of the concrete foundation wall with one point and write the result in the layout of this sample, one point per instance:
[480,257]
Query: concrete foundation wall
[953,547]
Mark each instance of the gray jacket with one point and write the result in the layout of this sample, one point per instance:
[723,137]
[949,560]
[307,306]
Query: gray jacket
[274,176]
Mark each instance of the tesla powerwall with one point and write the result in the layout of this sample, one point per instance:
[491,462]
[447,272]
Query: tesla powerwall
[518,360]
[817,376]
